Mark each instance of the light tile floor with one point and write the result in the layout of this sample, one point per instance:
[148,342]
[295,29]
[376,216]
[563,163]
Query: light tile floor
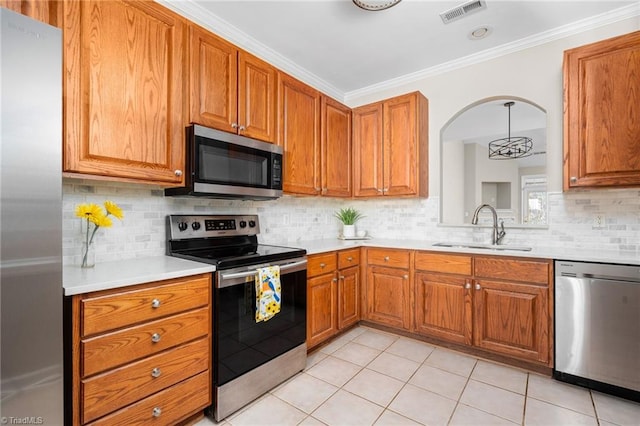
[368,377]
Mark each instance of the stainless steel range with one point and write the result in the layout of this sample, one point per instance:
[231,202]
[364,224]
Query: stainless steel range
[249,357]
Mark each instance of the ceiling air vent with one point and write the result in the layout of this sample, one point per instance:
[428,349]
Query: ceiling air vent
[462,10]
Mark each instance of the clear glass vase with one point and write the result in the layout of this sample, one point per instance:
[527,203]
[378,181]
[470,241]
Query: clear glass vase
[88,255]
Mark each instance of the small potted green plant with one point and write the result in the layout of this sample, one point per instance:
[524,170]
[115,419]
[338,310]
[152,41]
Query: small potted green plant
[348,216]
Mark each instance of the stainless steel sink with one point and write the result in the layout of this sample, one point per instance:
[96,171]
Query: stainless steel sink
[501,247]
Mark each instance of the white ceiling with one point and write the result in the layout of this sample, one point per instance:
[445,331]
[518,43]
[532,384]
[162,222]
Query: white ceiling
[344,50]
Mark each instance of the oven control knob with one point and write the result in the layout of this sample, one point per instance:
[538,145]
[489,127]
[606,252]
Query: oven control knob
[243,224]
[252,224]
[182,226]
[195,226]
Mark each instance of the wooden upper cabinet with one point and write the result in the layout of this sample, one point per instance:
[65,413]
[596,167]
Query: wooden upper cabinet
[213,91]
[124,103]
[367,151]
[257,95]
[391,147]
[335,148]
[230,89]
[601,110]
[299,135]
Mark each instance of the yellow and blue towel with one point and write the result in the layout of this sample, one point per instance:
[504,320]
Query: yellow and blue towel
[267,293]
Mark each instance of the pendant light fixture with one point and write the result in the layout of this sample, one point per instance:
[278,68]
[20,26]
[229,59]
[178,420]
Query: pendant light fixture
[374,5]
[512,146]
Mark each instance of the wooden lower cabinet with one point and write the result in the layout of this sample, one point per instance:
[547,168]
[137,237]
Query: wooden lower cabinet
[512,319]
[348,297]
[501,305]
[321,308]
[443,307]
[333,294]
[142,354]
[388,288]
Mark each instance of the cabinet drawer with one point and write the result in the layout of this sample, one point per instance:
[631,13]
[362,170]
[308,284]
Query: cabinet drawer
[348,258]
[388,258]
[319,264]
[166,407]
[111,391]
[446,263]
[123,346]
[512,269]
[111,311]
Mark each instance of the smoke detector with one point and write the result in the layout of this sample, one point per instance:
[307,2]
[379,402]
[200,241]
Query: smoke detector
[462,10]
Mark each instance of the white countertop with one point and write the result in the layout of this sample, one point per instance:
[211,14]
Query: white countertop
[109,275]
[577,254]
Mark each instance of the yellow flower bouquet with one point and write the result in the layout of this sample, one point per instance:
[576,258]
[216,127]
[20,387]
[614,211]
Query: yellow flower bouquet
[94,214]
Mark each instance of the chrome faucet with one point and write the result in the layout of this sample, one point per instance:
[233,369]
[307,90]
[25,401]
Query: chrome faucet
[497,235]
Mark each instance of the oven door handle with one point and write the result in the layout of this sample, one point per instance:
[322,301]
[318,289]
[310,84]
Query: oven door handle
[253,273]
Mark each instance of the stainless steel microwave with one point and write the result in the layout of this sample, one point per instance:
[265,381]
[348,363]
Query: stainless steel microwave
[224,165]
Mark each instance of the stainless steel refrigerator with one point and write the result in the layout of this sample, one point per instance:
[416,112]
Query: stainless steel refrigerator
[31,294]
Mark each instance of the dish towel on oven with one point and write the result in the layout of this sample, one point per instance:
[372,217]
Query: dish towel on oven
[267,293]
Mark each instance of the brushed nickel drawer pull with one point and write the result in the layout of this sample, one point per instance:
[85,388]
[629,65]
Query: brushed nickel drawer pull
[386,258]
[406,277]
[155,303]
[155,373]
[178,173]
[155,337]
[350,259]
[478,287]
[467,286]
[156,411]
[323,265]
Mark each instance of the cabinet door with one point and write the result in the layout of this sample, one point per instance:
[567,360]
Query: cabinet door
[367,151]
[443,307]
[124,90]
[299,135]
[388,296]
[257,93]
[336,148]
[602,104]
[512,319]
[402,140]
[348,297]
[213,81]
[321,309]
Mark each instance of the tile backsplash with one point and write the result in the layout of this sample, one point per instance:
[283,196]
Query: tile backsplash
[293,219]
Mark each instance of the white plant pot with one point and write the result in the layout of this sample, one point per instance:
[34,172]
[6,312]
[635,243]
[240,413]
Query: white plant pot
[348,231]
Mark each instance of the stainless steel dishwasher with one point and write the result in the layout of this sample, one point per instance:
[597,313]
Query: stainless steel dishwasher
[597,326]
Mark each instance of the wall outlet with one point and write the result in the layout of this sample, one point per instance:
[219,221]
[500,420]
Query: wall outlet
[598,221]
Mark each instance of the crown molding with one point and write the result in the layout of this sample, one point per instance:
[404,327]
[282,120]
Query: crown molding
[205,18]
[577,27]
[208,20]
